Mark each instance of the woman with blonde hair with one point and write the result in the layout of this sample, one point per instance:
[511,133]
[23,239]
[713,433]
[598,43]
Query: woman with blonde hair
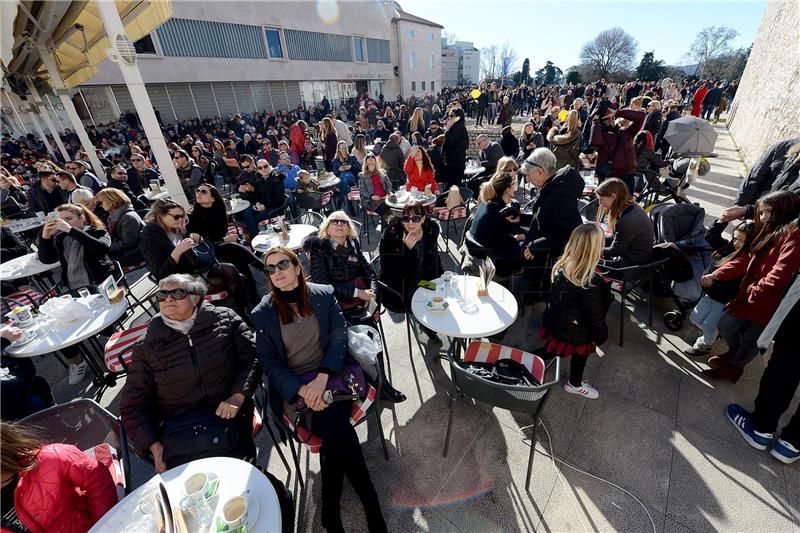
[359,150]
[565,142]
[374,185]
[632,237]
[496,222]
[416,123]
[574,319]
[124,225]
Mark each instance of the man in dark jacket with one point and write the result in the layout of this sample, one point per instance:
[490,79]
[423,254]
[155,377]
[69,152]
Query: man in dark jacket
[44,195]
[454,149]
[190,174]
[266,196]
[393,160]
[553,215]
[614,144]
[139,176]
[83,176]
[710,101]
[764,172]
[489,154]
[118,179]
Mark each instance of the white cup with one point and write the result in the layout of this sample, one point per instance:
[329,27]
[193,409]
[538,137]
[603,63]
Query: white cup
[20,315]
[196,486]
[437,302]
[234,512]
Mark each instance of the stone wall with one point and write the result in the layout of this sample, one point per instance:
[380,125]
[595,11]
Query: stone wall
[767,105]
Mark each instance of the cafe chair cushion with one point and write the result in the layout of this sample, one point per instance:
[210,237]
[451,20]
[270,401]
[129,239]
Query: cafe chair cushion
[216,296]
[119,347]
[354,194]
[107,455]
[443,213]
[489,352]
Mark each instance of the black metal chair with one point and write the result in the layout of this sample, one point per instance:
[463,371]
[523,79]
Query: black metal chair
[312,218]
[525,399]
[85,424]
[133,300]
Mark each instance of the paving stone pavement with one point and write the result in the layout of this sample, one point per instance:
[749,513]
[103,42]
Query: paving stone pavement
[657,432]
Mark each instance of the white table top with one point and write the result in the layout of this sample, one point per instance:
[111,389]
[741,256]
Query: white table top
[369,148]
[493,313]
[329,182]
[23,267]
[297,234]
[55,335]
[472,171]
[238,205]
[153,196]
[25,224]
[235,476]
[406,198]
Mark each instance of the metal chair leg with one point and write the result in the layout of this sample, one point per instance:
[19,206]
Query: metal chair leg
[650,303]
[385,358]
[621,314]
[536,415]
[276,444]
[296,460]
[377,410]
[450,420]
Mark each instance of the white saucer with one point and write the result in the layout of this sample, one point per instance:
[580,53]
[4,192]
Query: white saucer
[429,305]
[29,337]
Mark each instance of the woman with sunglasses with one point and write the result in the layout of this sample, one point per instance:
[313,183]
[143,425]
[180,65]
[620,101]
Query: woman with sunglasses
[337,260]
[408,253]
[374,185]
[301,342]
[196,362]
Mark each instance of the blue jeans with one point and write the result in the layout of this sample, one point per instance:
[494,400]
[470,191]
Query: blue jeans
[706,315]
[707,111]
[741,336]
[252,218]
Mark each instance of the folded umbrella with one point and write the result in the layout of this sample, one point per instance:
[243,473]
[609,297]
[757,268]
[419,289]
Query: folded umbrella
[691,135]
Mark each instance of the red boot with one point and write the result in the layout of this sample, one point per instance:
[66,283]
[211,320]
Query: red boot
[724,373]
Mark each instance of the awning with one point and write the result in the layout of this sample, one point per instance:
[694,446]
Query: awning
[76,32]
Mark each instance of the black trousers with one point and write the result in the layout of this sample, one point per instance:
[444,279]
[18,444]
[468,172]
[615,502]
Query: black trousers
[779,383]
[341,456]
[242,258]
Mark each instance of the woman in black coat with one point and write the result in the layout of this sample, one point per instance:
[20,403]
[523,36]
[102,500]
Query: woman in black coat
[497,233]
[454,149]
[124,226]
[435,153]
[408,252]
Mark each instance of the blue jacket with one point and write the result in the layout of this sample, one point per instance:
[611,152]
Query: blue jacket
[290,182]
[271,351]
[355,166]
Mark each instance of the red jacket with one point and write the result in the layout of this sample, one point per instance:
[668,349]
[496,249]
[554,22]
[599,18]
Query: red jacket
[297,139]
[67,491]
[417,178]
[768,276]
[604,140]
[697,100]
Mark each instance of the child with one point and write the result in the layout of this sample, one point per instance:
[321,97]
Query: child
[574,320]
[305,182]
[721,282]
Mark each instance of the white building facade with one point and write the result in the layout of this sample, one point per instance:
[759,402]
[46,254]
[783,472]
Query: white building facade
[221,58]
[461,64]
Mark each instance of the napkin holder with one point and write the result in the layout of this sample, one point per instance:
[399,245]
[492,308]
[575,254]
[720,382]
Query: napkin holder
[284,231]
[486,272]
[116,296]
[482,290]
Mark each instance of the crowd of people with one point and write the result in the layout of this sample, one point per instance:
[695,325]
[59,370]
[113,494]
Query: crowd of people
[200,363]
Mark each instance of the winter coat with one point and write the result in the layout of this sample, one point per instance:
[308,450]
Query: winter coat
[190,177]
[392,159]
[269,190]
[763,173]
[46,498]
[156,249]
[137,182]
[211,223]
[604,139]
[566,146]
[96,243]
[355,166]
[490,157]
[712,97]
[435,153]
[454,151]
[633,237]
[87,179]
[697,100]
[329,266]
[367,189]
[41,201]
[660,142]
[329,149]
[494,232]
[125,228]
[577,315]
[536,139]
[127,191]
[164,377]
[653,122]
[510,145]
[401,269]
[419,178]
[554,214]
[271,351]
[769,273]
[297,139]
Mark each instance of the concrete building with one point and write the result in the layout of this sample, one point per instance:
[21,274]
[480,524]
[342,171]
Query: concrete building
[219,58]
[465,59]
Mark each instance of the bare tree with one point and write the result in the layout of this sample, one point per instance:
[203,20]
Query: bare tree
[449,38]
[710,43]
[508,60]
[612,51]
[490,64]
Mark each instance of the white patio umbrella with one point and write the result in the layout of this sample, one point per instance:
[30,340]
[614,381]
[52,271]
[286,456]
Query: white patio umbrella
[691,135]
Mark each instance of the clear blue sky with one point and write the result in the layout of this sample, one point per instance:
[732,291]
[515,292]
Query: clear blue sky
[556,31]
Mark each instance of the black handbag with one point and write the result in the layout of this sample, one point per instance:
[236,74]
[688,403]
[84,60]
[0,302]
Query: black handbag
[197,434]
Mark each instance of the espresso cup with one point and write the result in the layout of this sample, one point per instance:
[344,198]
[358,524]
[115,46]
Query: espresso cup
[20,315]
[196,486]
[437,302]
[234,512]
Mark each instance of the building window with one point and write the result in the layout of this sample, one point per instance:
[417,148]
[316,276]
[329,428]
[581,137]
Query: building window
[358,47]
[411,60]
[433,86]
[274,46]
[430,37]
[413,86]
[315,46]
[411,34]
[430,62]
[145,45]
[377,50]
[423,85]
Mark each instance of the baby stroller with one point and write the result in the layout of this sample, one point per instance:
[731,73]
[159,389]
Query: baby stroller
[682,172]
[682,225]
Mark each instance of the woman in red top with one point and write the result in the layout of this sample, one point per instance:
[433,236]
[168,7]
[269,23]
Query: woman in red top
[775,261]
[53,487]
[419,171]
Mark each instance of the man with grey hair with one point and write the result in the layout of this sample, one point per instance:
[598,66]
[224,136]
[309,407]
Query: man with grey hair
[553,215]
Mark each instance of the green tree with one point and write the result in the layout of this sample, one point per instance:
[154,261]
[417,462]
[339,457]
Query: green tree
[650,69]
[548,74]
[573,77]
[526,72]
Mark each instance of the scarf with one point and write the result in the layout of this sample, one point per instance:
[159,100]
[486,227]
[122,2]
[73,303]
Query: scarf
[77,275]
[181,326]
[291,296]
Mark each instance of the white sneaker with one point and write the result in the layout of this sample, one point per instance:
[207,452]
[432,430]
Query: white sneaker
[77,372]
[585,390]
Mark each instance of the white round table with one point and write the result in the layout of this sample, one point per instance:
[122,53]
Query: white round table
[329,182]
[54,335]
[23,267]
[297,234]
[408,197]
[369,148]
[491,315]
[156,195]
[474,171]
[238,205]
[25,224]
[235,477]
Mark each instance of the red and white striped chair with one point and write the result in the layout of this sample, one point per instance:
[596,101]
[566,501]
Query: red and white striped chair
[326,201]
[216,297]
[451,215]
[520,398]
[119,348]
[107,455]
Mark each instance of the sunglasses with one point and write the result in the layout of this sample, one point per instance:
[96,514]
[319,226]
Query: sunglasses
[202,191]
[176,217]
[283,264]
[338,222]
[175,294]
[263,167]
[415,219]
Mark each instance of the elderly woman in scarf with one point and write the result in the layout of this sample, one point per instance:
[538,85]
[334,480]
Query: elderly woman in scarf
[196,366]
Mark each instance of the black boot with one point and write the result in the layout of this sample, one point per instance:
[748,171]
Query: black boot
[391,394]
